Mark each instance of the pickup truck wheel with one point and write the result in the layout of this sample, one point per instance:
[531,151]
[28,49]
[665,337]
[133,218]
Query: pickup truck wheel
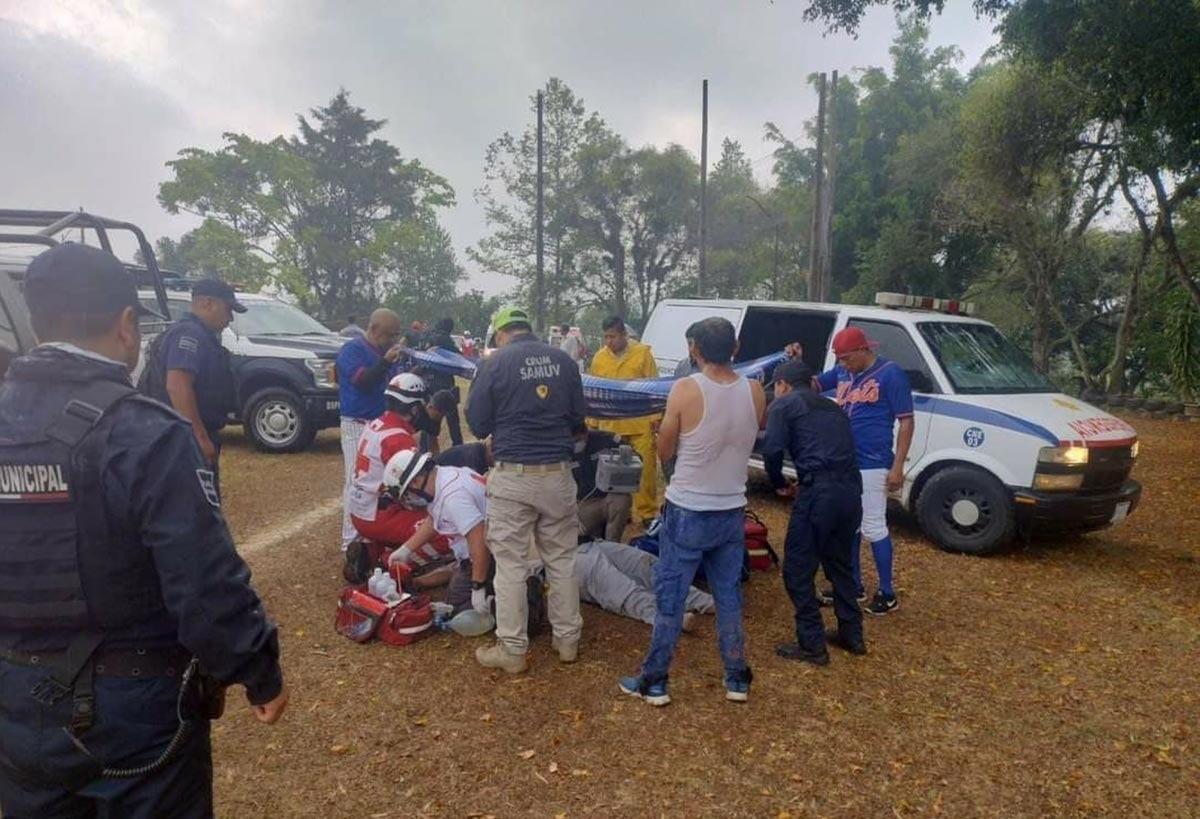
[276,421]
[964,509]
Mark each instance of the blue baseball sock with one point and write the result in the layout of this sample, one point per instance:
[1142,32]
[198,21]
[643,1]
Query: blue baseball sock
[882,549]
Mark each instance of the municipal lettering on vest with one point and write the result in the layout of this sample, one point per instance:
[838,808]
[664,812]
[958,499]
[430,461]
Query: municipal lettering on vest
[33,483]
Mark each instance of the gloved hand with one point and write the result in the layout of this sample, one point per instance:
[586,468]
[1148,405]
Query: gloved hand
[481,601]
[401,555]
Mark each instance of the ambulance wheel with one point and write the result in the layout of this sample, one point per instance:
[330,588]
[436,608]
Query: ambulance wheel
[964,509]
[276,421]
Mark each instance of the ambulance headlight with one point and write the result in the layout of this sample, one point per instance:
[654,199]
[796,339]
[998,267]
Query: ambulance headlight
[1057,483]
[1064,455]
[322,372]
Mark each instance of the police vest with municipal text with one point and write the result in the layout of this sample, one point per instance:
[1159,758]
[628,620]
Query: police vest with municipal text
[62,566]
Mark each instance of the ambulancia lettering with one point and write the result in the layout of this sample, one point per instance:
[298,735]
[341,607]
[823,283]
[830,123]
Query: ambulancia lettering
[32,482]
[538,367]
[1091,427]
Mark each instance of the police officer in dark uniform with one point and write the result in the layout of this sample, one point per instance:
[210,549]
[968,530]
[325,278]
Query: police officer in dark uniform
[124,607]
[826,513]
[529,397]
[188,368]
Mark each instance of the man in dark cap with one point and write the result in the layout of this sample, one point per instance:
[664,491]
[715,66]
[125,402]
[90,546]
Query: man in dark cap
[825,514]
[122,588]
[188,369]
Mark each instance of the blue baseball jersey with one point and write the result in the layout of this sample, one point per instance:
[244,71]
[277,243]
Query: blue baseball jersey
[361,395]
[873,400]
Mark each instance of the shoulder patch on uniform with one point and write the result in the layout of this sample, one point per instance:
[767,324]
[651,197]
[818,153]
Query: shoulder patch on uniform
[208,483]
[189,343]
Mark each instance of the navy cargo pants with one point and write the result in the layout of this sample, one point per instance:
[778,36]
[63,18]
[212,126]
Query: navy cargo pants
[44,775]
[823,531]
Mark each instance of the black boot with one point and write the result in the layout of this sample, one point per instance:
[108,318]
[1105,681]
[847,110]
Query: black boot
[835,638]
[793,651]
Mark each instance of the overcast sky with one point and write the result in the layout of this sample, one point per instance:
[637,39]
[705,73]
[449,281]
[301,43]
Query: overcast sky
[96,95]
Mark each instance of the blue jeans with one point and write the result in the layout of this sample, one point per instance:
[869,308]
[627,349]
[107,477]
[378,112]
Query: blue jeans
[687,540]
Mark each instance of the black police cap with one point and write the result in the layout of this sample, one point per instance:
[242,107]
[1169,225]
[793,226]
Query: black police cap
[794,372]
[217,289]
[75,278]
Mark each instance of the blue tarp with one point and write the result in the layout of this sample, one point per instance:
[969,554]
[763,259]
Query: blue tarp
[606,397]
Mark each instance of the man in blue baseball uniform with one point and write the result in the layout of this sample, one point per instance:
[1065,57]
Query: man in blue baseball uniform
[875,394]
[120,579]
[188,368]
[364,367]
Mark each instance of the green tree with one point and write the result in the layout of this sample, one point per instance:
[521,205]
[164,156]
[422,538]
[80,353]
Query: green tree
[509,198]
[1024,179]
[311,205]
[214,250]
[418,272]
[846,15]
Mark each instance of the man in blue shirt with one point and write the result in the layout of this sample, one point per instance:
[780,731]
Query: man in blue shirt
[188,368]
[874,393]
[364,366]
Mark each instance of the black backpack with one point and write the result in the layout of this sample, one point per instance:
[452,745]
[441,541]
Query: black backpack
[152,382]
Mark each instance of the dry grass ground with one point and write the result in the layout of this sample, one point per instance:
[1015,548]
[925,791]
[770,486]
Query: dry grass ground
[1059,679]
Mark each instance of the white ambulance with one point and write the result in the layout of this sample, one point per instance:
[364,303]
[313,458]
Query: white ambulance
[997,450]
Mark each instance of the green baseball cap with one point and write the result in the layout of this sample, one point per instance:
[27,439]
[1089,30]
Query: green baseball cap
[509,314]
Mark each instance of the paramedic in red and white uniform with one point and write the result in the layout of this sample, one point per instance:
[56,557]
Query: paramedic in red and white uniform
[389,522]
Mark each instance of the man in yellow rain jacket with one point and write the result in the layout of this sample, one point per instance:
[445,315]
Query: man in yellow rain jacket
[627,360]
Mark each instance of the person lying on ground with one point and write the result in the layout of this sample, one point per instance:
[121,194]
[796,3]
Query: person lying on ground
[620,579]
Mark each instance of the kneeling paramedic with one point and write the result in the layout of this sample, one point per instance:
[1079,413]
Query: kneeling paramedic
[825,515]
[456,500]
[376,516]
[120,578]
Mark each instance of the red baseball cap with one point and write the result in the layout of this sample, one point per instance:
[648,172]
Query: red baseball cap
[849,339]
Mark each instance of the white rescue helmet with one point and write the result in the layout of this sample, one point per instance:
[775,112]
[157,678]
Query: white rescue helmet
[406,388]
[401,469]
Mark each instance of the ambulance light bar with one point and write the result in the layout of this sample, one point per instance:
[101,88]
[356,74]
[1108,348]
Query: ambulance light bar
[952,306]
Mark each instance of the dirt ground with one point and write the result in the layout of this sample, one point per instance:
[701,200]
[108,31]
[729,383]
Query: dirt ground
[1058,679]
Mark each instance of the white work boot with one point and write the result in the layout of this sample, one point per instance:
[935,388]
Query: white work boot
[494,656]
[568,651]
[689,622]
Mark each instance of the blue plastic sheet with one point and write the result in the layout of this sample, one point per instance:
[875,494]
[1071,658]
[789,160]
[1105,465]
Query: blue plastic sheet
[606,397]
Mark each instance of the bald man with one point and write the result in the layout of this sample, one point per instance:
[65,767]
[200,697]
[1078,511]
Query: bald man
[364,367]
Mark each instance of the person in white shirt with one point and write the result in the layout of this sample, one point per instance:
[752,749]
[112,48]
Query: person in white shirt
[572,345]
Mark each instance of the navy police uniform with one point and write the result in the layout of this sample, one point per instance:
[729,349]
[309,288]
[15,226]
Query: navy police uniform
[826,513]
[189,345]
[118,568]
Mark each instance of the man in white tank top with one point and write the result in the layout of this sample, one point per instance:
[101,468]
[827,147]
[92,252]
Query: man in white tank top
[710,425]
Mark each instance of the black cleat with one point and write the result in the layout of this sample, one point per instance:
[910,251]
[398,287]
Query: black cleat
[793,651]
[883,604]
[834,637]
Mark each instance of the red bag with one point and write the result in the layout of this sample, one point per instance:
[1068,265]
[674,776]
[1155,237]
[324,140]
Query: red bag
[407,621]
[759,554]
[359,614]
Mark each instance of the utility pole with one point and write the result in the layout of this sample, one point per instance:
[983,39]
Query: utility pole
[830,186]
[815,239]
[703,274]
[539,296]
